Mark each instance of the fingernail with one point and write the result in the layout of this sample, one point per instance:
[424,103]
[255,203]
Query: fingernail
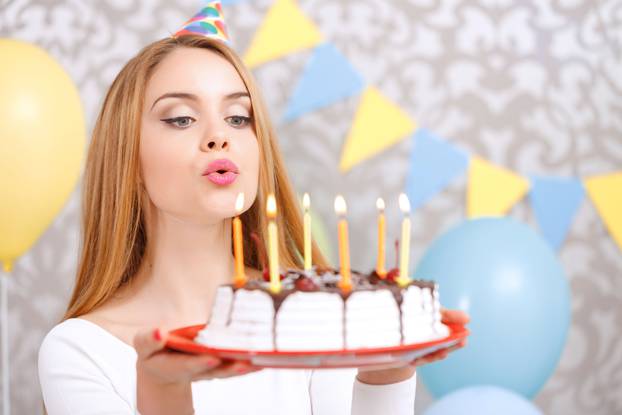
[157,335]
[211,362]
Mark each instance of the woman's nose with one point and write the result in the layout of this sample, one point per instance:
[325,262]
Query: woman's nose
[216,143]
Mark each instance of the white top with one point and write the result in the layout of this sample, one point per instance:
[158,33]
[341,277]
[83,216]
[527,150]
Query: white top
[86,370]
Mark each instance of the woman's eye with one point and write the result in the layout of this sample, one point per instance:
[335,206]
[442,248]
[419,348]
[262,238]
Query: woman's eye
[238,121]
[180,122]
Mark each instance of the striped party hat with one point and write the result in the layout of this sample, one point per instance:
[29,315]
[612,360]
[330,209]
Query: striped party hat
[208,22]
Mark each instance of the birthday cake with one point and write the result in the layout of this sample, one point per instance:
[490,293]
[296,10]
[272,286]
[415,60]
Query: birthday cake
[311,313]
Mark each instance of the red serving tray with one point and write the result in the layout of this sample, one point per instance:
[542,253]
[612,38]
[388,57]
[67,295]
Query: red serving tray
[182,340]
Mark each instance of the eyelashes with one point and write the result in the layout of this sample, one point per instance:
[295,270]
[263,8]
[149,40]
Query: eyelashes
[183,122]
[241,121]
[179,122]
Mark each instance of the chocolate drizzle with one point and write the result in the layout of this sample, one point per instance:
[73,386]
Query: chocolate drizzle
[230,312]
[326,280]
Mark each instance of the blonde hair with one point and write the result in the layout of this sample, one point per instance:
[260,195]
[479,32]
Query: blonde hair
[114,235]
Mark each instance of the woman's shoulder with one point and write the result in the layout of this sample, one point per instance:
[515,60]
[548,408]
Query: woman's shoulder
[70,332]
[79,349]
[81,339]
[79,363]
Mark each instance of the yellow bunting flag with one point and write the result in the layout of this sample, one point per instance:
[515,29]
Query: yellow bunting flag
[606,194]
[378,124]
[284,30]
[492,190]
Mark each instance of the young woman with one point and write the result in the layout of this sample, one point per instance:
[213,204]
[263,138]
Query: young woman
[182,131]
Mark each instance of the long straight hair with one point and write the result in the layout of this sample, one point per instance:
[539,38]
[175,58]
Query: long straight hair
[114,237]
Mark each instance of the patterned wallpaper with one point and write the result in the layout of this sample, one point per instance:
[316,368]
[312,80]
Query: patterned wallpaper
[533,86]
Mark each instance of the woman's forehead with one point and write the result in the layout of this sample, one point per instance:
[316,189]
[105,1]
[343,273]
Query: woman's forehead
[202,72]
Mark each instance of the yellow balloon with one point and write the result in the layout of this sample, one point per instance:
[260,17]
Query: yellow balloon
[42,140]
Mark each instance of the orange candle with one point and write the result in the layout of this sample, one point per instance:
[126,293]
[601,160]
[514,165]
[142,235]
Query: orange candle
[380,269]
[239,278]
[273,246]
[344,251]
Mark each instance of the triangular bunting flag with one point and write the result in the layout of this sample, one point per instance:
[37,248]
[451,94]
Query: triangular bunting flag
[555,202]
[434,162]
[328,78]
[284,30]
[378,124]
[492,190]
[606,194]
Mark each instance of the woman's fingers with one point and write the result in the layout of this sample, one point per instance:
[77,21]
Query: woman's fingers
[181,365]
[433,357]
[166,365]
[171,366]
[438,355]
[448,317]
[454,316]
[148,342]
[227,370]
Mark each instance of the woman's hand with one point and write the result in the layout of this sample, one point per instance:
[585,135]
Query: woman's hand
[448,317]
[398,374]
[164,376]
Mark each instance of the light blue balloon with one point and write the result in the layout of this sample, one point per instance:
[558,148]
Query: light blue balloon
[510,282]
[483,400]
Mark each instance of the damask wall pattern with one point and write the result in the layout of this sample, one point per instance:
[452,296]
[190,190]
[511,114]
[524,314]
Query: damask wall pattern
[533,86]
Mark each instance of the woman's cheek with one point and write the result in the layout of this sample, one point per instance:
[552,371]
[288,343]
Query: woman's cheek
[251,182]
[164,175]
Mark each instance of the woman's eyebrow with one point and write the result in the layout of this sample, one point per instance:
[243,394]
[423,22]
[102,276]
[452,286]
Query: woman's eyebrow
[193,97]
[236,95]
[185,95]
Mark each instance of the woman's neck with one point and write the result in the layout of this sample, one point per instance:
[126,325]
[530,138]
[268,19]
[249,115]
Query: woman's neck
[184,264]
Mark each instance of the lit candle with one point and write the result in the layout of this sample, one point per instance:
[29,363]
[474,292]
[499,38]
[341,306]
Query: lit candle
[344,251]
[239,278]
[403,278]
[380,270]
[306,203]
[273,246]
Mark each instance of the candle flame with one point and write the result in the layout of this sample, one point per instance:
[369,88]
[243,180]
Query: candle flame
[239,203]
[340,205]
[404,203]
[380,204]
[271,207]
[306,201]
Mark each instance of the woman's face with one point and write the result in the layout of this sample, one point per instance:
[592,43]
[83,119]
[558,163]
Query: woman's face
[198,148]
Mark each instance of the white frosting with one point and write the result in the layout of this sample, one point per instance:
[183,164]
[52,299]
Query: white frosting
[372,320]
[310,321]
[249,325]
[315,320]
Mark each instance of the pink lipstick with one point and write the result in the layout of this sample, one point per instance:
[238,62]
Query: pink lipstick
[221,172]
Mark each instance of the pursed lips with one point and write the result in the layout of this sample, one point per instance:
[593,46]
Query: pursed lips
[221,172]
